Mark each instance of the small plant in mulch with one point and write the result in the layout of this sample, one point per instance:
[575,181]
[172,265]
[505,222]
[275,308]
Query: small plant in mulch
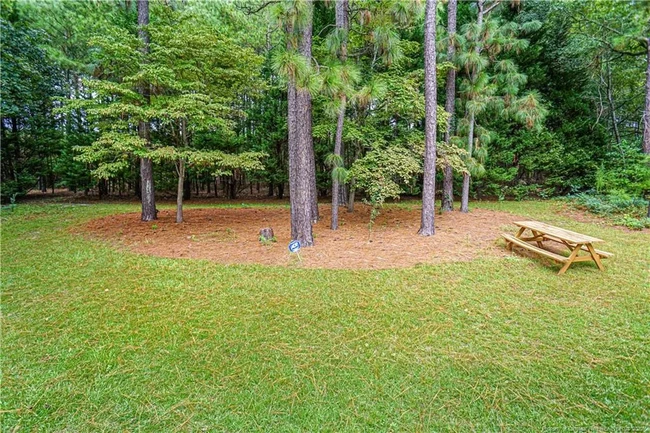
[267,242]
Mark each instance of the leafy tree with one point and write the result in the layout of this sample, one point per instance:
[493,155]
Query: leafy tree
[195,76]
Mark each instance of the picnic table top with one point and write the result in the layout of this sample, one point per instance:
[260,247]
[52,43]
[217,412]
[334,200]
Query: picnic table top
[558,232]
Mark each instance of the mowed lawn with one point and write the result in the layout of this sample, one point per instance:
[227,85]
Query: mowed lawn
[95,339]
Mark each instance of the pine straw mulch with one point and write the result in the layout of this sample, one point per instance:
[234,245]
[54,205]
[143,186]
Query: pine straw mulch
[230,236]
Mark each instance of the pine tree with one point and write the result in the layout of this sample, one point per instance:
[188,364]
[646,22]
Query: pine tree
[427,227]
[448,181]
[342,27]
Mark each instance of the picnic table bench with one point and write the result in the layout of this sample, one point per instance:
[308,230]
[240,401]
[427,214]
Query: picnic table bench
[575,242]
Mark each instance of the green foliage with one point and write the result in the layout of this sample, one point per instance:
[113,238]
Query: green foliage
[622,209]
[195,74]
[30,140]
[627,172]
[382,171]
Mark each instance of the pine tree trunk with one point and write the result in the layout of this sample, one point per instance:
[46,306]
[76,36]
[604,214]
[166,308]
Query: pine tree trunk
[146,166]
[341,25]
[300,193]
[335,183]
[646,113]
[427,227]
[464,200]
[464,206]
[305,121]
[448,173]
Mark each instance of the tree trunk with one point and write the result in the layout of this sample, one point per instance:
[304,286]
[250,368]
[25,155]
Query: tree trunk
[179,191]
[102,189]
[448,173]
[148,201]
[464,206]
[646,113]
[464,200]
[146,166]
[304,116]
[427,227]
[300,169]
[342,25]
[351,198]
[612,106]
[337,151]
[232,187]
[181,175]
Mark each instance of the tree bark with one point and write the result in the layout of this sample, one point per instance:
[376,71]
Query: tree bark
[146,166]
[300,193]
[612,106]
[448,180]
[351,197]
[464,205]
[427,227]
[464,200]
[341,25]
[646,113]
[179,191]
[181,175]
[305,119]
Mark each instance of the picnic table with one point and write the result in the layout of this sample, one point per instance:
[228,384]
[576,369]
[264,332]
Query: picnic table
[541,232]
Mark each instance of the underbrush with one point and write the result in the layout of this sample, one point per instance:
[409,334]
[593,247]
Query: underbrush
[630,212]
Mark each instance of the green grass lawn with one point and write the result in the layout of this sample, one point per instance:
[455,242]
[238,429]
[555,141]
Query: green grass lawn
[95,339]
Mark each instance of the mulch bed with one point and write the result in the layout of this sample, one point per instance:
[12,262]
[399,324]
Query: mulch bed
[230,236]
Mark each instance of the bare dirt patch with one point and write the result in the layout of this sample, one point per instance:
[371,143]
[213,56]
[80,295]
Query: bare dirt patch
[231,236]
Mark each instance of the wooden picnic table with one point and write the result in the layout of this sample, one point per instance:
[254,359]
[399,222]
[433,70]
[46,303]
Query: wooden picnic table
[575,242]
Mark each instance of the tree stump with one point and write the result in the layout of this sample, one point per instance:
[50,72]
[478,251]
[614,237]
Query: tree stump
[266,234]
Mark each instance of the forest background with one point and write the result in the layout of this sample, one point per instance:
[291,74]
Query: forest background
[556,98]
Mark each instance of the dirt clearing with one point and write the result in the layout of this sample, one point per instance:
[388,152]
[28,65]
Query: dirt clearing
[231,236]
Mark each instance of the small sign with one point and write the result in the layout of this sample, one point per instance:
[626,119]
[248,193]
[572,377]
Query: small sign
[294,246]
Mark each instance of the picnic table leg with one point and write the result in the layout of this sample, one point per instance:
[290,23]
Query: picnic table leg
[595,256]
[573,255]
[538,234]
[518,235]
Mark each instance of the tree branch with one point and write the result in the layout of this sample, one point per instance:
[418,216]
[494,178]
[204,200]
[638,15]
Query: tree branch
[489,9]
[251,11]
